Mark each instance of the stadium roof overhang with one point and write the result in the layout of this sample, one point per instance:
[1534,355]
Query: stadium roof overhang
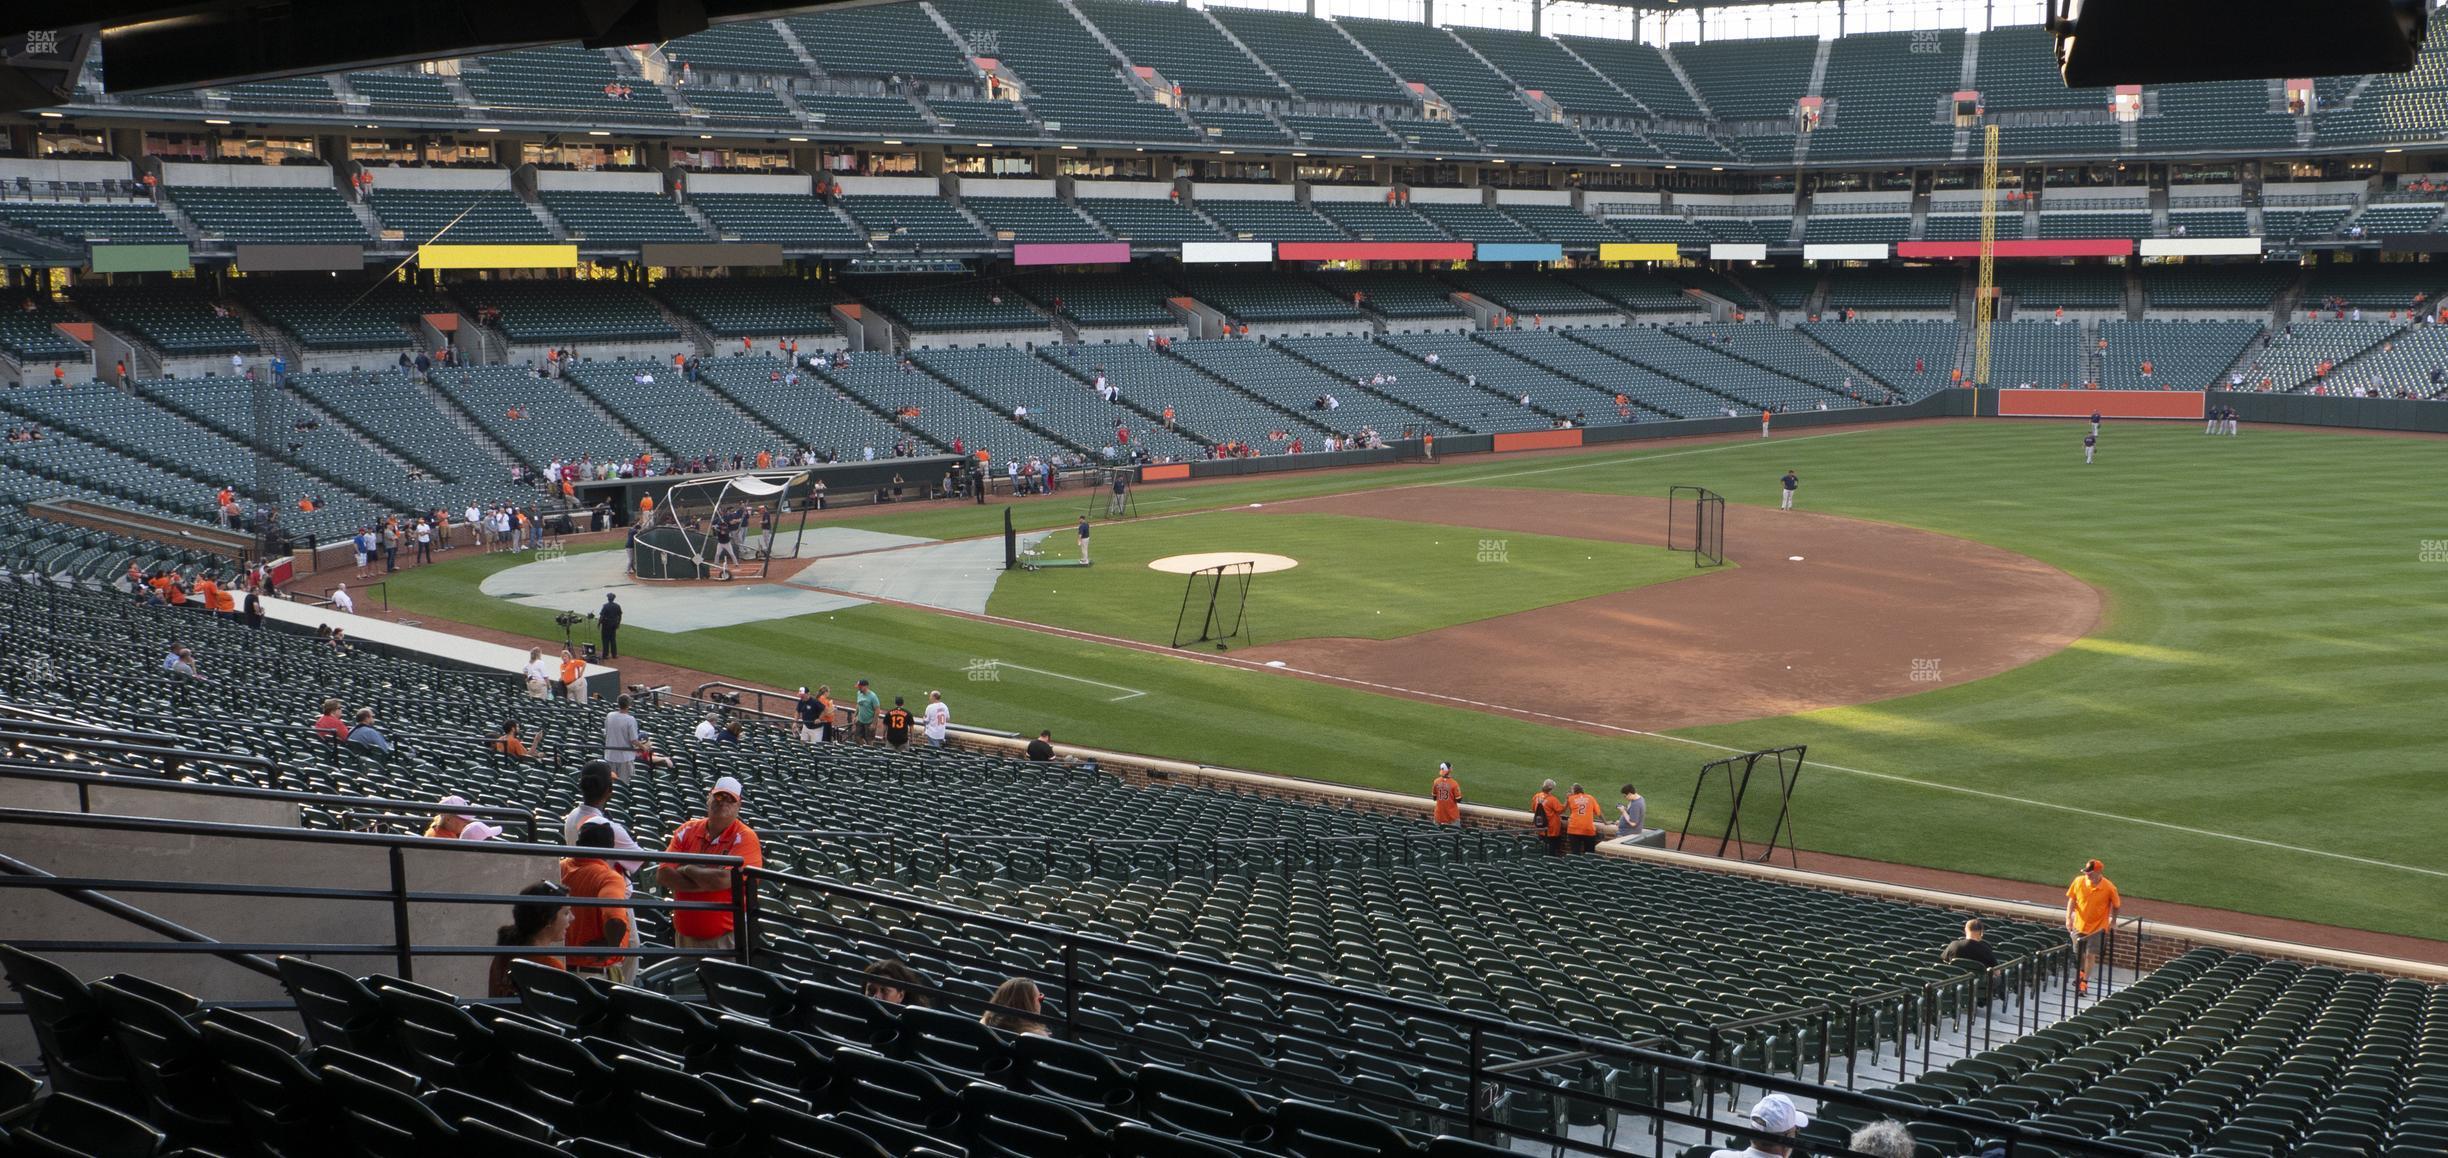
[155,45]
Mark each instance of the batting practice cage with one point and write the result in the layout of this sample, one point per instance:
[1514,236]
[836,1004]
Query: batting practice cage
[1695,522]
[1756,787]
[1215,606]
[680,539]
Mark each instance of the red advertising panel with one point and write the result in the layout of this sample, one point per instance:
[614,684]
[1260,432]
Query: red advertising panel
[1373,250]
[2110,403]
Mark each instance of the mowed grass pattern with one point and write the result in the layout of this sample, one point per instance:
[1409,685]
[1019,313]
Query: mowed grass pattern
[2269,666]
[2268,669]
[1356,577]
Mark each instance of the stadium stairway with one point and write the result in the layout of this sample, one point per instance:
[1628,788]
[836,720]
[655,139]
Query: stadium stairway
[1148,412]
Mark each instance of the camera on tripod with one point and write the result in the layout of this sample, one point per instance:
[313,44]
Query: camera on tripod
[570,619]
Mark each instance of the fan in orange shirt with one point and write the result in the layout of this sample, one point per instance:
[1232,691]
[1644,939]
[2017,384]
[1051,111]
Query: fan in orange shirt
[1447,792]
[573,676]
[1547,818]
[2090,916]
[1580,820]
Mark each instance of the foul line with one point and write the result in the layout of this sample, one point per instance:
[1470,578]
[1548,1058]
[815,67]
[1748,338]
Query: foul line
[1129,693]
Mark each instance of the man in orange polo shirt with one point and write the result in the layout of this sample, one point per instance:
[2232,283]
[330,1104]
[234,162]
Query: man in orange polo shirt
[2091,911]
[720,832]
[1547,817]
[573,676]
[591,926]
[1447,793]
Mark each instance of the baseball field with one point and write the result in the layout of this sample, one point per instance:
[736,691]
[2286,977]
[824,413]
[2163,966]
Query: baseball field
[2206,660]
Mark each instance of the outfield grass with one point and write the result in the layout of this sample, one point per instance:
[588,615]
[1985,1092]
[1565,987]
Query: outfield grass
[1357,577]
[2268,667]
[2264,671]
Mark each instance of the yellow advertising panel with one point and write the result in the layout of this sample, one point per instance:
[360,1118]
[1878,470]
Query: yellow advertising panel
[553,256]
[1637,251]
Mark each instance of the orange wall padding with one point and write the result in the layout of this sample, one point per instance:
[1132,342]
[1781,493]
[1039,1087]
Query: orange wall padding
[1537,440]
[2111,403]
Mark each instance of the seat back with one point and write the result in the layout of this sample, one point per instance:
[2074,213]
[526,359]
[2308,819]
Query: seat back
[895,1091]
[560,997]
[434,1038]
[673,1112]
[949,1041]
[1309,1130]
[166,1057]
[1003,1124]
[660,1023]
[1187,1103]
[1132,1140]
[276,1098]
[384,1121]
[745,989]
[71,1030]
[1073,1073]
[338,1009]
[791,1134]
[67,1126]
[786,1061]
[845,1015]
[553,1077]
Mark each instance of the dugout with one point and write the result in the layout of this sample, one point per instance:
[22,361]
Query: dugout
[845,484]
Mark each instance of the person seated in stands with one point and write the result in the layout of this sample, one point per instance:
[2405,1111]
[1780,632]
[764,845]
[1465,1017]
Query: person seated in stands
[364,734]
[708,731]
[1014,1008]
[181,662]
[1884,1138]
[508,742]
[449,824]
[891,981]
[330,725]
[649,756]
[1971,946]
[1775,1121]
[339,640]
[542,923]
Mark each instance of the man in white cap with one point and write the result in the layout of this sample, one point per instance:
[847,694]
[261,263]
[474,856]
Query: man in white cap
[1776,1120]
[719,832]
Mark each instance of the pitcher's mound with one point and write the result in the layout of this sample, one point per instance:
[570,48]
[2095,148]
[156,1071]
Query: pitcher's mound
[1259,562]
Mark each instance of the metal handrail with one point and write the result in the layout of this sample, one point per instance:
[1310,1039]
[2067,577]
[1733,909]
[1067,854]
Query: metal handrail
[143,781]
[180,755]
[21,873]
[402,948]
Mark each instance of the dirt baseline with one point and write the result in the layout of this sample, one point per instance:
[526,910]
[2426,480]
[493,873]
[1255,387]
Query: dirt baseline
[1872,611]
